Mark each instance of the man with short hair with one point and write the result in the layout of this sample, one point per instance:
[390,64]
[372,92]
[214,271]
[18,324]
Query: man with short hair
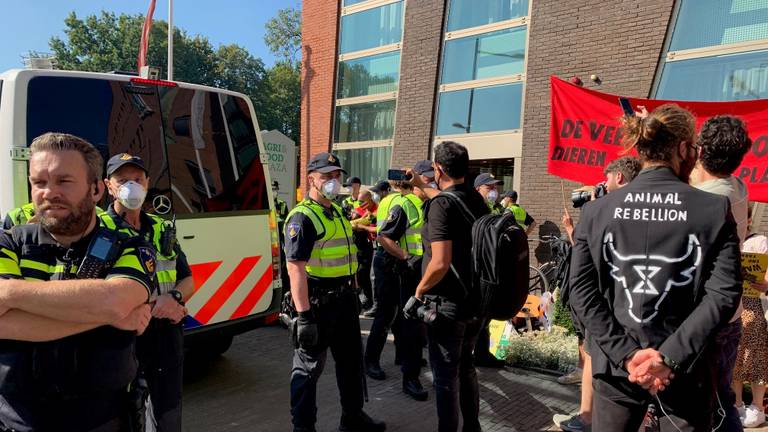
[322,261]
[522,217]
[619,172]
[447,237]
[73,296]
[722,144]
[486,184]
[160,349]
[399,222]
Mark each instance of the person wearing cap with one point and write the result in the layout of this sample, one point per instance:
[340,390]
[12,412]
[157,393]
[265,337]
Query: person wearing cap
[281,208]
[350,203]
[397,272]
[160,348]
[426,173]
[322,262]
[68,330]
[379,192]
[509,202]
[486,183]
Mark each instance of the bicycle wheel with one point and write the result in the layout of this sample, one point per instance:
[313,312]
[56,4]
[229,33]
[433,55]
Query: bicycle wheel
[537,281]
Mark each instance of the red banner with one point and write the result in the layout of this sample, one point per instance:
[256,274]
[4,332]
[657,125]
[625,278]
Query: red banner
[585,133]
[144,45]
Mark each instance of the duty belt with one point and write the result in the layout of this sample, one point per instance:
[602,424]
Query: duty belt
[322,292]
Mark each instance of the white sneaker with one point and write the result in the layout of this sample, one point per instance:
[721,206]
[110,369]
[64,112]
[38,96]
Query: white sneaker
[742,411]
[571,378]
[753,417]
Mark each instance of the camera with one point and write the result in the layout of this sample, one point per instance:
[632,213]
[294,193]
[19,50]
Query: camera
[579,198]
[421,310]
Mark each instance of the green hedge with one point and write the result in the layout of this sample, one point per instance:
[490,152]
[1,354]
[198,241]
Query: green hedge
[554,350]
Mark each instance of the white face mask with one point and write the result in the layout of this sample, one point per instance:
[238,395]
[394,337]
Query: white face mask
[330,189]
[432,184]
[131,195]
[376,197]
[492,196]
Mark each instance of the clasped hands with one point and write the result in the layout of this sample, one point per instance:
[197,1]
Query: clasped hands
[646,368]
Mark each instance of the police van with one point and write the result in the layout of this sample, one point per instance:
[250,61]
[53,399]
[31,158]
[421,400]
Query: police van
[207,168]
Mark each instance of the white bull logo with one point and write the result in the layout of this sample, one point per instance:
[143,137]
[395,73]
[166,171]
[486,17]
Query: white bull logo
[642,275]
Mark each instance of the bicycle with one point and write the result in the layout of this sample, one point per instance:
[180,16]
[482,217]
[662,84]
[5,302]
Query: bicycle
[549,275]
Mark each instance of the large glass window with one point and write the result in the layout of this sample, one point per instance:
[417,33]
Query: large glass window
[372,28]
[472,13]
[484,56]
[719,78]
[351,2]
[369,75]
[704,23]
[482,109]
[370,164]
[365,122]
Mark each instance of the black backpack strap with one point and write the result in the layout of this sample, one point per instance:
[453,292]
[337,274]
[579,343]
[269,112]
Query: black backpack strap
[470,218]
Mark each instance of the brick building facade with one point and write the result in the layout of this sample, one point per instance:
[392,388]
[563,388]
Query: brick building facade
[629,44]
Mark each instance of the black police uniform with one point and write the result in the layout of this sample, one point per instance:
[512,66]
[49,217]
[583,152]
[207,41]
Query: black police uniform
[400,285]
[160,349]
[655,264]
[451,343]
[80,382]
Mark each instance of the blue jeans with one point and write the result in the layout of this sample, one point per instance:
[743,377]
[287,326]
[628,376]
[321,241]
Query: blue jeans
[727,346]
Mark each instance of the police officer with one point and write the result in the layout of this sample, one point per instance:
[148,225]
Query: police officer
[399,234]
[73,295]
[522,217]
[19,216]
[350,203]
[281,208]
[486,184]
[321,264]
[161,348]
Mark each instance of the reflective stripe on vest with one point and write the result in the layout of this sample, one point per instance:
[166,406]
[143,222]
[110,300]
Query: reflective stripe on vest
[411,241]
[383,212]
[334,253]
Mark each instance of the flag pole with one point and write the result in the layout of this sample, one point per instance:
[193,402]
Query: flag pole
[170,40]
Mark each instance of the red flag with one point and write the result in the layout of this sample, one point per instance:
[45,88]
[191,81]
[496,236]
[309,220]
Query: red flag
[144,46]
[585,133]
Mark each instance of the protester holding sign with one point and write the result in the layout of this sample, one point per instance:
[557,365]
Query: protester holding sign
[655,271]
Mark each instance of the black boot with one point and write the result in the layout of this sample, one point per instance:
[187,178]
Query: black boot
[374,371]
[413,388]
[360,422]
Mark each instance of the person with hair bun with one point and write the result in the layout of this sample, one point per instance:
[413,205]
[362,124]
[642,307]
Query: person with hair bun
[655,273]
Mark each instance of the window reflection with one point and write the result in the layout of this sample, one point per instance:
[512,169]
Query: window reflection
[483,109]
[484,56]
[703,23]
[365,122]
[472,13]
[370,164]
[371,28]
[369,75]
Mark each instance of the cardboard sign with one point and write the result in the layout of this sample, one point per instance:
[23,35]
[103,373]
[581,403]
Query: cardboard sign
[753,267]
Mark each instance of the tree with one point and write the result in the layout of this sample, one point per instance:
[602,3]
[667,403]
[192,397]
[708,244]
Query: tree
[283,36]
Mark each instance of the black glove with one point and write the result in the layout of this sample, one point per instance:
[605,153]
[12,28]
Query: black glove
[306,330]
[414,263]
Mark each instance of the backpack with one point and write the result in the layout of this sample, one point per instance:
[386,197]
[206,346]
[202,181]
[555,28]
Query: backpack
[500,261]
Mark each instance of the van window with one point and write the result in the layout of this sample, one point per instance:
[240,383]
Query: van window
[209,138]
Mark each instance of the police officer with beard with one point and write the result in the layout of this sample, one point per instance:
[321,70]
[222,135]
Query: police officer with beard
[322,261]
[73,296]
[655,273]
[161,348]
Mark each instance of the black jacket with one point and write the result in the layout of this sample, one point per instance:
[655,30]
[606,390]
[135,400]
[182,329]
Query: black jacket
[655,264]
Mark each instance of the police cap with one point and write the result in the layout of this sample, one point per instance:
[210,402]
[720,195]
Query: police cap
[486,179]
[425,168]
[120,160]
[324,163]
[381,186]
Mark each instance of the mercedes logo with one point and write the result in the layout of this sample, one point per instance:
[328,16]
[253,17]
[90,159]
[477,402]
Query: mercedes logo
[162,204]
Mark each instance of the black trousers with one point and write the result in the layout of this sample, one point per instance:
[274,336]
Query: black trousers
[386,285]
[88,413]
[456,390]
[688,401]
[339,329]
[161,361]
[364,262]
